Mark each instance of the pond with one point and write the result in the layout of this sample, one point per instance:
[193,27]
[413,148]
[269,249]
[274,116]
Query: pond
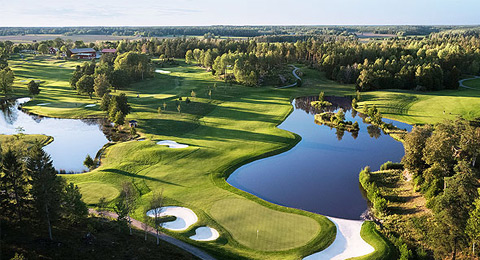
[320,174]
[73,138]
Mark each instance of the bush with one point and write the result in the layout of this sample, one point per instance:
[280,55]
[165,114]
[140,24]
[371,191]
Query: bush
[391,166]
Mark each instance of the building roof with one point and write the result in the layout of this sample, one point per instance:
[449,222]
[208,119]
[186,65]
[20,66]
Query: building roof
[82,50]
[109,50]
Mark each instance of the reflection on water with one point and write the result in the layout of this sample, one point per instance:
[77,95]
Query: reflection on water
[73,138]
[320,174]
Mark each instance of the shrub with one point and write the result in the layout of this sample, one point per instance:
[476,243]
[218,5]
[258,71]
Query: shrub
[391,166]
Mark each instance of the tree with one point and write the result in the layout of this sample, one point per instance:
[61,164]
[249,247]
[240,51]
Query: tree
[128,196]
[321,96]
[15,182]
[33,88]
[88,162]
[189,57]
[101,85]
[43,48]
[85,85]
[156,204]
[105,103]
[414,142]
[46,186]
[6,81]
[119,118]
[473,224]
[120,79]
[74,210]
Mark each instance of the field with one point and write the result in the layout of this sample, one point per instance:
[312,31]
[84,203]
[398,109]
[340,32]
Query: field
[29,38]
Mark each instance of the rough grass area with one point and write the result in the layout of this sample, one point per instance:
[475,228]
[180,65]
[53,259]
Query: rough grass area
[384,249]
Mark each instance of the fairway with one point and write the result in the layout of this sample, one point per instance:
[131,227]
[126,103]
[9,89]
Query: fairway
[425,107]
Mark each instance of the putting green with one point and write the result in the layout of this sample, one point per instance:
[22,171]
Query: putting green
[262,228]
[97,190]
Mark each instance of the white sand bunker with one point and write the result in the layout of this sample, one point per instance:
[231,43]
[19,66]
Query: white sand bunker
[90,105]
[172,144]
[163,71]
[205,234]
[347,244]
[185,217]
[43,104]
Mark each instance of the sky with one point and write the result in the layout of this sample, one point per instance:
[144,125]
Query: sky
[237,12]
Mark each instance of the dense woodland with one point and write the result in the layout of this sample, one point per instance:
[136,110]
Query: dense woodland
[431,63]
[238,31]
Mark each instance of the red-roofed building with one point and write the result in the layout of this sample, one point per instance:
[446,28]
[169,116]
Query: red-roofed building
[109,51]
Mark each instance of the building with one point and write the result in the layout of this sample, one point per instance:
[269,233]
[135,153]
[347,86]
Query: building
[104,51]
[82,53]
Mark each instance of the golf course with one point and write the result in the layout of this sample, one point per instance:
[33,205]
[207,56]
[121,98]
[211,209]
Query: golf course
[233,126]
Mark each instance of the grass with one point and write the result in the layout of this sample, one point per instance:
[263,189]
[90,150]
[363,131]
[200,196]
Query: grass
[474,83]
[225,131]
[384,250]
[260,232]
[425,107]
[23,142]
[98,190]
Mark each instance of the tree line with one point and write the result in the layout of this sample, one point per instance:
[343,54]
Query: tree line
[444,163]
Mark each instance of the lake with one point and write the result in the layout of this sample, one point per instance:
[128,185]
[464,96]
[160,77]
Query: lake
[320,174]
[73,138]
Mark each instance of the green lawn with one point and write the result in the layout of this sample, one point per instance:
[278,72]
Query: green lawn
[236,125]
[425,107]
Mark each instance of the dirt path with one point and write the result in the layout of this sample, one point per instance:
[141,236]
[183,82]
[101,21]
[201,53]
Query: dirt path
[294,72]
[185,246]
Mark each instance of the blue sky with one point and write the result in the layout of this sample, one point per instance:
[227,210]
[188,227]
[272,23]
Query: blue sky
[239,12]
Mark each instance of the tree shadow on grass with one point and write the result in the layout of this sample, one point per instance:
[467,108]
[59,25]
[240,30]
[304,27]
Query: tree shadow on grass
[128,174]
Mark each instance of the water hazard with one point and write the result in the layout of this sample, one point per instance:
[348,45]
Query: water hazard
[320,174]
[73,138]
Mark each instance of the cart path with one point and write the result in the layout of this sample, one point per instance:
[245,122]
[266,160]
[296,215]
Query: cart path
[140,225]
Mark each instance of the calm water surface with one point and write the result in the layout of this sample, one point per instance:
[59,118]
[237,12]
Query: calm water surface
[320,174]
[73,138]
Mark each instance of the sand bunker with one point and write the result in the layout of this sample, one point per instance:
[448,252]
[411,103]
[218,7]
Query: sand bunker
[43,104]
[185,217]
[172,144]
[205,234]
[163,71]
[347,244]
[90,105]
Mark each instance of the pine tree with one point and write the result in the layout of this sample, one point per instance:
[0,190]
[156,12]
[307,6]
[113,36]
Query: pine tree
[46,186]
[15,183]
